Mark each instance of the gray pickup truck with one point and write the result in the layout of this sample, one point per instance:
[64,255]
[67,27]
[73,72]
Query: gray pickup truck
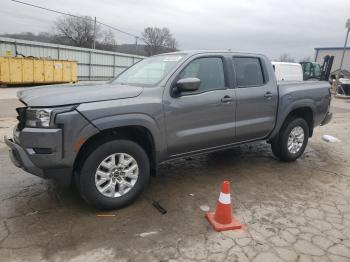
[109,138]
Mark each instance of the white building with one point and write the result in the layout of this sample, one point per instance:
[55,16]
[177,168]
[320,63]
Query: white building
[321,52]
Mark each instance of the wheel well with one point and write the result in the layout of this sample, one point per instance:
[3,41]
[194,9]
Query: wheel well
[138,134]
[305,113]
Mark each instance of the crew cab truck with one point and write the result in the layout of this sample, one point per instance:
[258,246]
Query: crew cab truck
[109,138]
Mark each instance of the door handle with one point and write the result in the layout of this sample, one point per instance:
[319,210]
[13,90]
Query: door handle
[226,99]
[268,95]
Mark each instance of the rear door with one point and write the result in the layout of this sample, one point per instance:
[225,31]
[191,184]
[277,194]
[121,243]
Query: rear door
[256,98]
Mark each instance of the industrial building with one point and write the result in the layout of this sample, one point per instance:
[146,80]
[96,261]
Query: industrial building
[337,52]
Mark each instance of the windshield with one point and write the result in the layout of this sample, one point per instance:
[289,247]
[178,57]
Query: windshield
[148,72]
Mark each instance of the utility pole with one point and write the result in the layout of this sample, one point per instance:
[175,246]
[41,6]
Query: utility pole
[346,41]
[347,25]
[136,47]
[94,40]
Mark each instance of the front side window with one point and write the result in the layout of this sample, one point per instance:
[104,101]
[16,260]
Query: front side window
[150,71]
[248,71]
[210,70]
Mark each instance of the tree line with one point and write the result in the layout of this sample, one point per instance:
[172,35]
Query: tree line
[81,31]
[287,58]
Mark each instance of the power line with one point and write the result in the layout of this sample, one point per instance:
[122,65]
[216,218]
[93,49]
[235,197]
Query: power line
[48,9]
[114,28]
[76,16]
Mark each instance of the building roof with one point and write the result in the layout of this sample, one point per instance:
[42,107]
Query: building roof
[331,48]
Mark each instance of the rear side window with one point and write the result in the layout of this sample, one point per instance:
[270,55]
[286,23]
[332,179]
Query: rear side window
[248,71]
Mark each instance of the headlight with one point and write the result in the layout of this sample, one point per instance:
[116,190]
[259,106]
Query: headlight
[44,117]
[38,117]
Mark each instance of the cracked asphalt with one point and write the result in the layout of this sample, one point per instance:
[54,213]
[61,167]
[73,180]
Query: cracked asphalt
[291,211]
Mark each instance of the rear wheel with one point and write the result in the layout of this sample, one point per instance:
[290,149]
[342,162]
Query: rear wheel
[292,140]
[114,174]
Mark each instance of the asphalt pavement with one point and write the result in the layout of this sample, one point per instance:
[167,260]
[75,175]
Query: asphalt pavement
[291,211]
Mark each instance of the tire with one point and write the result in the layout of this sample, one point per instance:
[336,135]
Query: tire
[279,144]
[91,185]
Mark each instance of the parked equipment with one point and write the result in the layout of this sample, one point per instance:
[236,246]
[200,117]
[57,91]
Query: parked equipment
[313,71]
[326,67]
[29,70]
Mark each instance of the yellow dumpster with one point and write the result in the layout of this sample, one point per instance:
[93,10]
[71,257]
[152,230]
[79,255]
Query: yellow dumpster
[17,70]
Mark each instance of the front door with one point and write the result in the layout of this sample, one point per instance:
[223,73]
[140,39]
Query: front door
[204,118]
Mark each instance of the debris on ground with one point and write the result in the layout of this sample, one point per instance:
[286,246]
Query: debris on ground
[146,234]
[204,208]
[105,215]
[191,195]
[159,207]
[330,139]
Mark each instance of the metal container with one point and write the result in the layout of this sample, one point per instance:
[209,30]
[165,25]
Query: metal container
[18,70]
[93,64]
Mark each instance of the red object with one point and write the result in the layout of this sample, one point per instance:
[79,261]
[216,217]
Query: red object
[223,219]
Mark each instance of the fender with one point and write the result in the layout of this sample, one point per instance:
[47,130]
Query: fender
[143,120]
[77,130]
[285,107]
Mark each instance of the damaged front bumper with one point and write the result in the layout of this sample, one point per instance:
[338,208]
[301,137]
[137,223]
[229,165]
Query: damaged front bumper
[26,161]
[20,159]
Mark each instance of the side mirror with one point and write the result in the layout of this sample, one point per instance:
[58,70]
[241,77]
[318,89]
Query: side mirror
[188,84]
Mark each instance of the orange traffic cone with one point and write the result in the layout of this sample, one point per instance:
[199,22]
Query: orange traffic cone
[223,219]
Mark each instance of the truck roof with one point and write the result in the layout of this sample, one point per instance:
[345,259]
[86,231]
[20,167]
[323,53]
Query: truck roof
[195,52]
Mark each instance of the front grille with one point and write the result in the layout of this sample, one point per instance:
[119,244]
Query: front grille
[21,111]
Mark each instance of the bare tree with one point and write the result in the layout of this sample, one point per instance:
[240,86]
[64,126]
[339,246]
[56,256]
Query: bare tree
[172,43]
[108,38]
[107,41]
[286,58]
[77,31]
[306,59]
[158,40]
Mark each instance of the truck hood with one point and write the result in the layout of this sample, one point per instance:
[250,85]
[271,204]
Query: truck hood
[59,95]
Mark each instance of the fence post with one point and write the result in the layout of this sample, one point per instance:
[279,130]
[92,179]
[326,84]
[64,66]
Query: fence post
[90,67]
[114,66]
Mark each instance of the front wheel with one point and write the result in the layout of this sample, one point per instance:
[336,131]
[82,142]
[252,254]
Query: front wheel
[292,140]
[114,174]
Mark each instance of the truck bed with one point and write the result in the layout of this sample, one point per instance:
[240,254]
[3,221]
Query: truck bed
[315,94]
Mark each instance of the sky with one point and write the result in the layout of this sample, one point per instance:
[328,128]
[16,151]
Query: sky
[271,27]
